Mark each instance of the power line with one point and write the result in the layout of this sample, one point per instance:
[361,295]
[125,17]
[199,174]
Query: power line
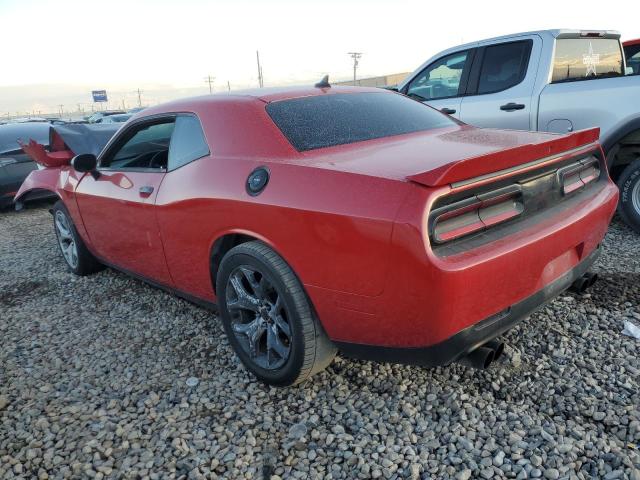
[209,79]
[356,56]
[260,77]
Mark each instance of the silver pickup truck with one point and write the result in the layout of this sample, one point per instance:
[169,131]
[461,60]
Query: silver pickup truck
[553,81]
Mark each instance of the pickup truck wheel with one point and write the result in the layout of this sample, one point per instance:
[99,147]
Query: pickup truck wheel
[268,318]
[78,258]
[629,205]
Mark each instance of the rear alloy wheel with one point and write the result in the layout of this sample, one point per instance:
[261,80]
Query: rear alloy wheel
[268,318]
[78,258]
[629,184]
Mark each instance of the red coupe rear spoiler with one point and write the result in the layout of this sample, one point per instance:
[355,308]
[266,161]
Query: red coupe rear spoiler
[504,159]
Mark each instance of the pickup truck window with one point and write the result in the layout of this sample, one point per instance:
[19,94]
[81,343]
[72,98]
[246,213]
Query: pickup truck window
[586,58]
[633,58]
[503,66]
[441,79]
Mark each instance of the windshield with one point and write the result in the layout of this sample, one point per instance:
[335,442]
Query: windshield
[586,58]
[327,120]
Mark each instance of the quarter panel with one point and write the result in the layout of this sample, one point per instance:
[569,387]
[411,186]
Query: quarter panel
[333,228]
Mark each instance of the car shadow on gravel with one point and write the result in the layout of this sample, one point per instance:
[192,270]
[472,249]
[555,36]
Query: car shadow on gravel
[15,293]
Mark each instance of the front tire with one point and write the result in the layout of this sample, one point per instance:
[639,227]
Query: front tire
[75,253]
[629,205]
[268,318]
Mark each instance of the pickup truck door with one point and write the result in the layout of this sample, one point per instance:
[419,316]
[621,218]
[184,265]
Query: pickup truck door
[499,94]
[442,83]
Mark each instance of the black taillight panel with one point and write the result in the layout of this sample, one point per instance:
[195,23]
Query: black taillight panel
[471,214]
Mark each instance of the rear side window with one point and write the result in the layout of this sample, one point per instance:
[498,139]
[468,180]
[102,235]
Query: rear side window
[586,58]
[187,142]
[338,119]
[503,66]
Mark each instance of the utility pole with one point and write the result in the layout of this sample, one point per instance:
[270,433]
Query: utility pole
[79,108]
[228,86]
[140,92]
[123,105]
[356,56]
[61,111]
[209,79]
[260,77]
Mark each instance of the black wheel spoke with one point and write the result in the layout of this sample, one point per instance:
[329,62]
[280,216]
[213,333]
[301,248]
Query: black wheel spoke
[282,325]
[256,286]
[244,300]
[275,344]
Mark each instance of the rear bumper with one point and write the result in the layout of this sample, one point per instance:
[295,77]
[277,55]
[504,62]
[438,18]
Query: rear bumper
[449,350]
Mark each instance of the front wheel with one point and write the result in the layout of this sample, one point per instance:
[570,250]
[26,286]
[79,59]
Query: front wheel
[75,253]
[268,318]
[629,184]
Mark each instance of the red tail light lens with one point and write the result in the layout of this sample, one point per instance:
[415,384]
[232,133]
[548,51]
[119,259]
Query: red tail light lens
[576,176]
[476,213]
[462,219]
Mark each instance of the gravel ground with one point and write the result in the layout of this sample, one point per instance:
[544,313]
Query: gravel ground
[106,377]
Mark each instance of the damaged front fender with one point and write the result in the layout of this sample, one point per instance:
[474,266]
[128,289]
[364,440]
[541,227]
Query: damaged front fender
[41,183]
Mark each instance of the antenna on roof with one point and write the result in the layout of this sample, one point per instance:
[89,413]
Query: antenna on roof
[324,83]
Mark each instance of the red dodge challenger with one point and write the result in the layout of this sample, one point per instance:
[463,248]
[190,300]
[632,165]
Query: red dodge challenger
[324,219]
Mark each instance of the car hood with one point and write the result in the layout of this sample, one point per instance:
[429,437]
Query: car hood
[445,155]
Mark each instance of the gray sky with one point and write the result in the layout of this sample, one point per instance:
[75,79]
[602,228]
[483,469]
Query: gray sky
[57,51]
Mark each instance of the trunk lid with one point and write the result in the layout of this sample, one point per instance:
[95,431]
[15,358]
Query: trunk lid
[447,155]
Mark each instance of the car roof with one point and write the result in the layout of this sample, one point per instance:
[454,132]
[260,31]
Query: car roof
[266,95]
[630,43]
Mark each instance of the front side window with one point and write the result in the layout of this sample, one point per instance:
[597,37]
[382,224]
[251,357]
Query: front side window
[586,58]
[503,66]
[337,119]
[187,143]
[146,147]
[441,79]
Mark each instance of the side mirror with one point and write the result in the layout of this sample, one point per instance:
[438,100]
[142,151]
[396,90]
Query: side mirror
[86,162]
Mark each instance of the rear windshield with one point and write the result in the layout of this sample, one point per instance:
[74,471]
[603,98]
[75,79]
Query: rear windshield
[586,58]
[327,120]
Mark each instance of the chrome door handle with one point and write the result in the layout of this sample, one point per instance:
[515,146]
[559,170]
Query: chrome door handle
[146,191]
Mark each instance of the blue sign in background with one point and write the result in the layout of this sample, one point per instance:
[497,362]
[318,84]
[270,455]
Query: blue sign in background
[99,95]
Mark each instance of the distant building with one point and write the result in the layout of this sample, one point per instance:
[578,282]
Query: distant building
[382,81]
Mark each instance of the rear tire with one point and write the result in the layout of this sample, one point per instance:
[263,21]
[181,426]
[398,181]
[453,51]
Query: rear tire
[75,253]
[268,318]
[629,205]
